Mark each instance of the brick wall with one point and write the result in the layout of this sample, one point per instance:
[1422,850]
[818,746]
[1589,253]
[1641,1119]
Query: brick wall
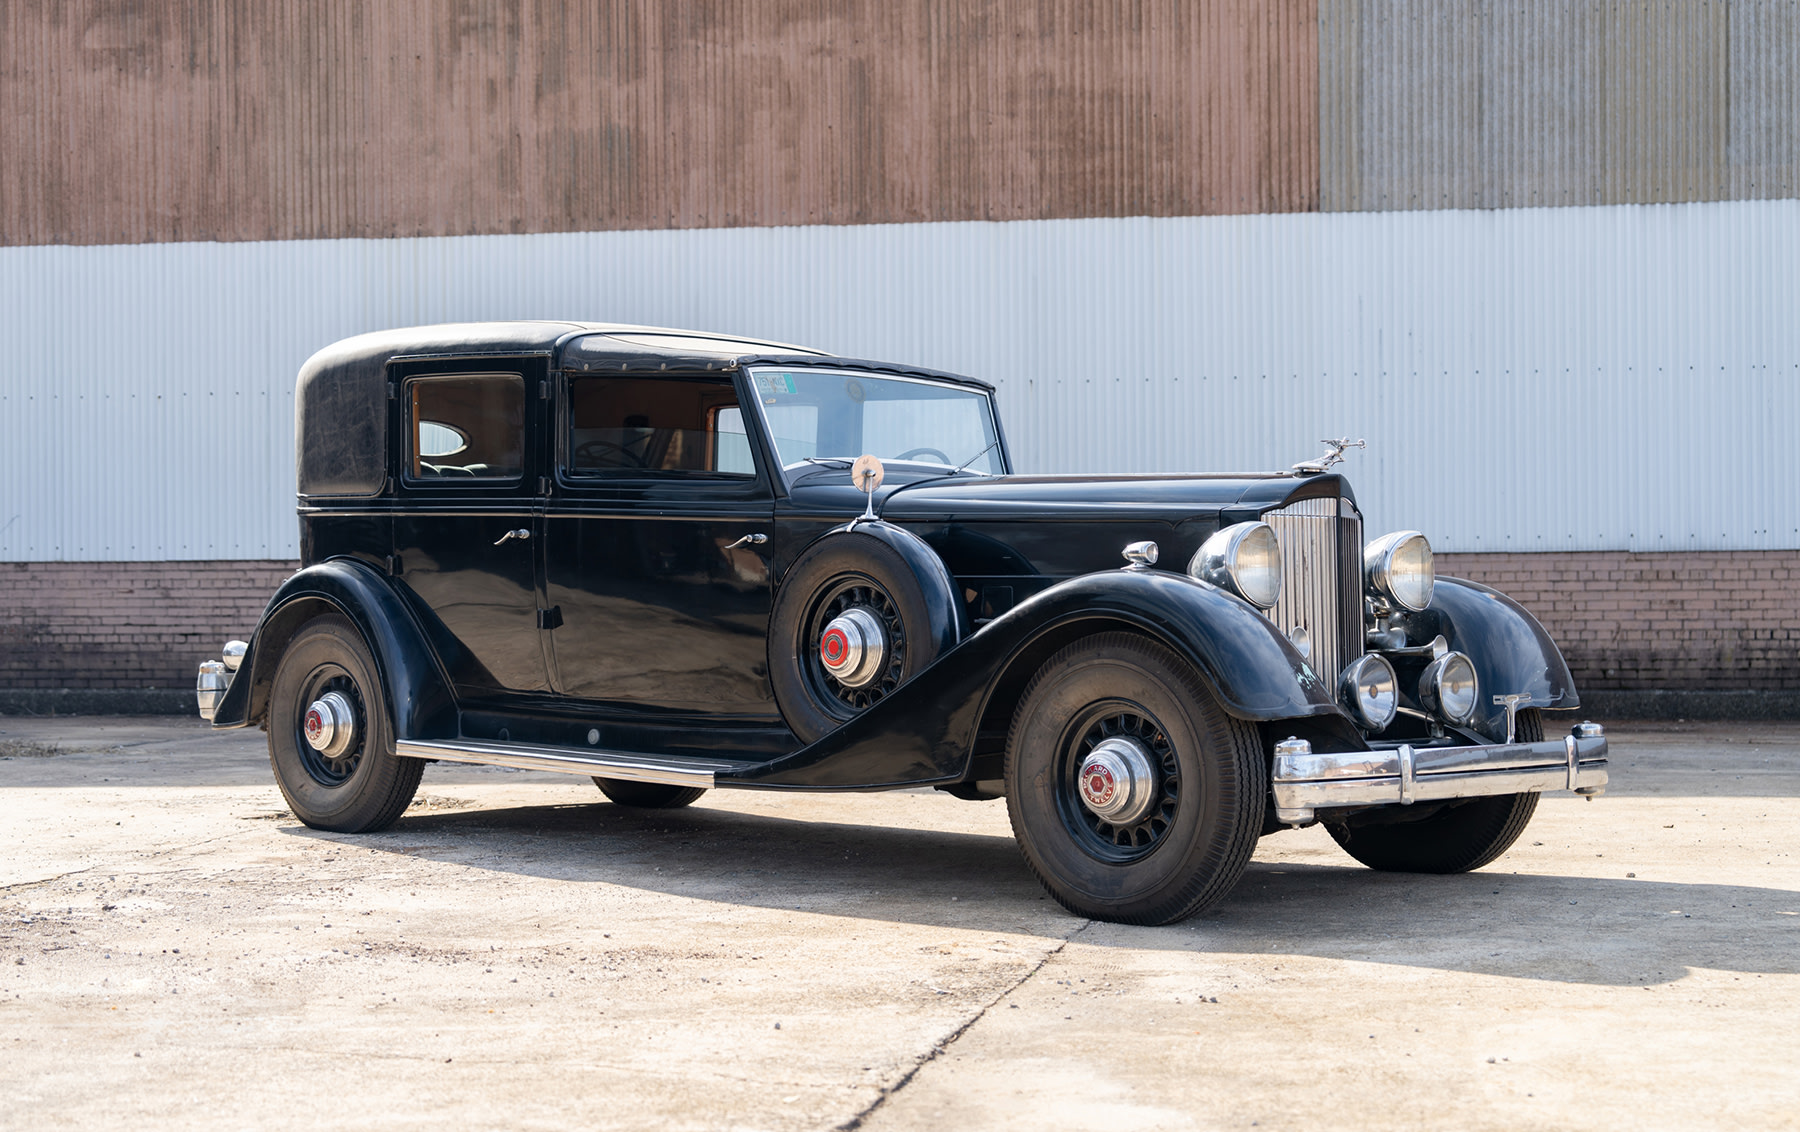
[1697,621]
[1626,622]
[124,624]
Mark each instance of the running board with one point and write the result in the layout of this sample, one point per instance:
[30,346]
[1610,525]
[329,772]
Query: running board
[674,770]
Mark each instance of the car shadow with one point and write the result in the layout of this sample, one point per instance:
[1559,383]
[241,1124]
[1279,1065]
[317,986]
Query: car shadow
[1580,929]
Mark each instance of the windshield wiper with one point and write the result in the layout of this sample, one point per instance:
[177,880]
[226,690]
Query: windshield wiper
[827,461]
[964,466]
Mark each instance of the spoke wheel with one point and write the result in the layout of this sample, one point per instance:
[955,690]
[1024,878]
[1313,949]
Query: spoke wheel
[1107,840]
[331,744]
[840,596]
[860,600]
[325,769]
[1185,797]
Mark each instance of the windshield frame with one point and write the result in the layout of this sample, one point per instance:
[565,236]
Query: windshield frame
[793,472]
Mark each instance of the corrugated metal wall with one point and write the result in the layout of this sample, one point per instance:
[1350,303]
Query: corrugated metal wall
[1491,104]
[1622,378]
[132,123]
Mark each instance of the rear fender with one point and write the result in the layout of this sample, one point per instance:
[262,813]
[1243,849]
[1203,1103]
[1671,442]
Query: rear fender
[417,693]
[926,730]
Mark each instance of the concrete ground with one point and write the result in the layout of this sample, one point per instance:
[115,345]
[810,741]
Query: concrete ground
[177,950]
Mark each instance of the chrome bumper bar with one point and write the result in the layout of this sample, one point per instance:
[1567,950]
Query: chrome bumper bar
[1304,783]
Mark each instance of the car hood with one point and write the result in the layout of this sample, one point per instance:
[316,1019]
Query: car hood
[906,497]
[1050,527]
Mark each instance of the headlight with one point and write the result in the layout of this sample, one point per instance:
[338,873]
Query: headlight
[1448,687]
[1398,567]
[1370,692]
[1245,559]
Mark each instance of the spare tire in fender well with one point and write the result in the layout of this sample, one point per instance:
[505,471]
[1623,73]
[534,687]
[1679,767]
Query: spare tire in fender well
[915,598]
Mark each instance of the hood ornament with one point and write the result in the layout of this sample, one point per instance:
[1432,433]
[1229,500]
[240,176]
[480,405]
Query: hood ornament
[1334,455]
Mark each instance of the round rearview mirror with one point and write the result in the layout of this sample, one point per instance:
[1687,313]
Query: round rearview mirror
[866,473]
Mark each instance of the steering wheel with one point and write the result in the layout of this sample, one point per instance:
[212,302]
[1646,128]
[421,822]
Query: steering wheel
[595,453]
[911,453]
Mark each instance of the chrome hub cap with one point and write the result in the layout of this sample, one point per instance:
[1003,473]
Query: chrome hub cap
[853,648]
[1118,781]
[330,725]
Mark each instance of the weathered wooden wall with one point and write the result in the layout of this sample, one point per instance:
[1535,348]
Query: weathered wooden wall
[143,122]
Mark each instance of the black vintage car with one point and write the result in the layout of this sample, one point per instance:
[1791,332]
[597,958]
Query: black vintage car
[675,561]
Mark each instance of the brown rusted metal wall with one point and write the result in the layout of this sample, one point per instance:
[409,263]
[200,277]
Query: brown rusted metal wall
[1494,104]
[130,122]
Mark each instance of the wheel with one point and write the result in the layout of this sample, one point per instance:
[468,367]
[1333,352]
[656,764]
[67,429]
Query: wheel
[648,795]
[1133,796]
[1453,839]
[331,743]
[850,624]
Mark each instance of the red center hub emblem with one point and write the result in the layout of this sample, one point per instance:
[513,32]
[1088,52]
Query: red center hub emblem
[315,725]
[1099,785]
[834,646]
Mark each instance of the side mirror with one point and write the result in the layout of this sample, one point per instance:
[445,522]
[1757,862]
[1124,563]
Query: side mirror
[867,474]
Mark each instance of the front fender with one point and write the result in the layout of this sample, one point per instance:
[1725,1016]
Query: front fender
[925,730]
[417,693]
[1511,651]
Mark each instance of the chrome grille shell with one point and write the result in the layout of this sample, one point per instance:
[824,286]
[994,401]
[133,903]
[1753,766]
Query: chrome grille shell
[1321,579]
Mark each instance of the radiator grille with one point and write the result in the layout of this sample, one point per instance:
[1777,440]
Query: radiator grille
[1321,579]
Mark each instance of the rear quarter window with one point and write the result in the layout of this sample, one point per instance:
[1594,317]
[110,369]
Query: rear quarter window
[466,426]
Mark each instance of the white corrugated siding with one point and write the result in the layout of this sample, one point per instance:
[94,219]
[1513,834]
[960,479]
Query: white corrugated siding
[1546,379]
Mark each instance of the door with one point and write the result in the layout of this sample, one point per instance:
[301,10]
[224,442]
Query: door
[470,523]
[655,549]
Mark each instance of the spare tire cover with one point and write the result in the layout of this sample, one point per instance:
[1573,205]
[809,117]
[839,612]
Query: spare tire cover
[908,617]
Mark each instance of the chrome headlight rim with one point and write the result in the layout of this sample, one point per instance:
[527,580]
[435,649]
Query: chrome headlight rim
[1442,673]
[1219,562]
[1403,588]
[1370,691]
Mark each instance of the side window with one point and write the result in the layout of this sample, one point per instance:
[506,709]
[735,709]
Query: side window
[627,426]
[466,426]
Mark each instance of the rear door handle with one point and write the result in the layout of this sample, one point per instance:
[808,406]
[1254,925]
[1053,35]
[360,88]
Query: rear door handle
[749,540]
[521,534]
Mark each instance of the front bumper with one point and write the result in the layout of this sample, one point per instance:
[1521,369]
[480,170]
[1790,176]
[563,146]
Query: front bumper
[1304,783]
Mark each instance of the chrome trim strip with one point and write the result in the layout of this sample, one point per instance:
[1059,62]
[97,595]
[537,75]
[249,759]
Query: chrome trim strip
[675,771]
[1303,783]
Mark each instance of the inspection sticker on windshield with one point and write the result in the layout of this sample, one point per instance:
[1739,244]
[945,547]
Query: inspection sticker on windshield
[775,382]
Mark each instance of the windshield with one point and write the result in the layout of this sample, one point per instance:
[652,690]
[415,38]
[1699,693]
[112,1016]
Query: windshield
[838,415]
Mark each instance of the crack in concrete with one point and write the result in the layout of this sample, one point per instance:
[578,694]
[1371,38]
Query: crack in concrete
[150,856]
[24,884]
[943,1044]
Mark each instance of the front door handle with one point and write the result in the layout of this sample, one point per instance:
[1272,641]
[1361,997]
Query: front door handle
[521,534]
[749,540]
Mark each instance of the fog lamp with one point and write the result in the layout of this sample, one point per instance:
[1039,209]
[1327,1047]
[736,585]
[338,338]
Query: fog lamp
[1448,687]
[1369,692]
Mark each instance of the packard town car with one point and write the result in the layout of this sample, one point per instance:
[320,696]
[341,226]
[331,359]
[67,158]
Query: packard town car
[676,561]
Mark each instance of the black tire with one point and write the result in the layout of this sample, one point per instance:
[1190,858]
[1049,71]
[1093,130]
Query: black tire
[369,786]
[837,572]
[1192,848]
[648,795]
[1458,838]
